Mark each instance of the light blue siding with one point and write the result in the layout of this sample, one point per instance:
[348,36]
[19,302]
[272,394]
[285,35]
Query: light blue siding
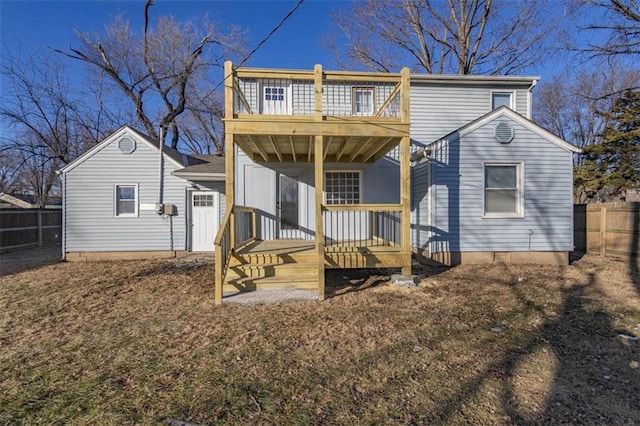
[256,186]
[420,221]
[458,194]
[437,109]
[91,224]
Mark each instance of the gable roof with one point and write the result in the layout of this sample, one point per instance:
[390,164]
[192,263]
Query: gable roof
[504,111]
[172,154]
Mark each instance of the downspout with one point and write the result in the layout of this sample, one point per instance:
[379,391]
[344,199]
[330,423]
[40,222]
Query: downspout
[159,208]
[64,215]
[529,99]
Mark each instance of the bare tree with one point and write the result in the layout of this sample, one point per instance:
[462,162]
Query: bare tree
[618,20]
[574,107]
[448,36]
[47,122]
[156,69]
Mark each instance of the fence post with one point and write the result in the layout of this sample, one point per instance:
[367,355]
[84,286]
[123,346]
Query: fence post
[39,228]
[603,231]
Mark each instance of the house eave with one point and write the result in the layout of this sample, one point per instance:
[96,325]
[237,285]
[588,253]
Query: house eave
[192,176]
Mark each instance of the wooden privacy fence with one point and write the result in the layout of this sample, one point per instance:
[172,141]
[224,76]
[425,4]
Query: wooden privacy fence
[29,228]
[607,228]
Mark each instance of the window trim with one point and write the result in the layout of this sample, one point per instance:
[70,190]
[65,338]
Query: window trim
[370,89]
[135,199]
[519,190]
[360,187]
[512,98]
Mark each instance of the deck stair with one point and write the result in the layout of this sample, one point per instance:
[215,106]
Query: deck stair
[250,271]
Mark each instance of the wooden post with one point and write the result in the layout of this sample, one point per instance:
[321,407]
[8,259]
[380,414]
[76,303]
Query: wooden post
[405,174]
[217,298]
[39,220]
[603,230]
[317,82]
[229,159]
[319,183]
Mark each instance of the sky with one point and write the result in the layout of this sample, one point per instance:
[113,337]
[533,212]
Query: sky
[43,24]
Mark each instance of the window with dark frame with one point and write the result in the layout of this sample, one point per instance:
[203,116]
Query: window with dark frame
[342,187]
[502,189]
[274,93]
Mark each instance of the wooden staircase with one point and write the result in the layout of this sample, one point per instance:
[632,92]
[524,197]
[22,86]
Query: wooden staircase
[253,271]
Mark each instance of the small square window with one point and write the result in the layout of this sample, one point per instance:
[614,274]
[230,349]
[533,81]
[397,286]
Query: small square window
[499,99]
[126,200]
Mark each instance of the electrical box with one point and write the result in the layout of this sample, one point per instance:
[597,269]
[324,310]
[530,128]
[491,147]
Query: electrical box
[169,209]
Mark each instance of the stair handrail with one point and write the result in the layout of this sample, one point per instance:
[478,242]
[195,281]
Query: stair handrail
[223,247]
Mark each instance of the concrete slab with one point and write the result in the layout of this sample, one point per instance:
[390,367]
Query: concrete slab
[268,296]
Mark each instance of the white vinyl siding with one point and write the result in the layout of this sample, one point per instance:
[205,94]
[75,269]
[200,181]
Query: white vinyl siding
[89,202]
[458,222]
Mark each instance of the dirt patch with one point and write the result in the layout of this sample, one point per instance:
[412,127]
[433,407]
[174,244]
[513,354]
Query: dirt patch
[142,342]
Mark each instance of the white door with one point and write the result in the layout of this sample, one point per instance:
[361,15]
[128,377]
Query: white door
[276,99]
[204,220]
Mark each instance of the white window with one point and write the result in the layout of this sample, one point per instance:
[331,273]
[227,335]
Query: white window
[342,187]
[202,200]
[499,99]
[503,190]
[363,103]
[274,93]
[126,200]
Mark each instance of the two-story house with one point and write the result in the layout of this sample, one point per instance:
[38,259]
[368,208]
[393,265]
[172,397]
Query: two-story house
[331,169]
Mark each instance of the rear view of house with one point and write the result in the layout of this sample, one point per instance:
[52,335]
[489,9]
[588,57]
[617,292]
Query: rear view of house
[353,170]
[125,199]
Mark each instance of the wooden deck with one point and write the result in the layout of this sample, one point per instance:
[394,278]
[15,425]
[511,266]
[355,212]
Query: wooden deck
[366,254]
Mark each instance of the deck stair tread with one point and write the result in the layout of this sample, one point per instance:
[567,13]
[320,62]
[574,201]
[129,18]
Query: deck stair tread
[293,281]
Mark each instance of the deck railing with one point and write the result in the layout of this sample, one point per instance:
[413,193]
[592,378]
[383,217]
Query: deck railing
[293,93]
[237,228]
[362,225]
[246,225]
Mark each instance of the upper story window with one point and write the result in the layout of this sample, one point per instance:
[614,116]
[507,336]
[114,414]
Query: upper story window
[274,93]
[503,190]
[126,200]
[342,187]
[363,101]
[499,99]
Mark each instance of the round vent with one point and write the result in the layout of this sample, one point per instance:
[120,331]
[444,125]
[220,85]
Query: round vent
[505,133]
[126,145]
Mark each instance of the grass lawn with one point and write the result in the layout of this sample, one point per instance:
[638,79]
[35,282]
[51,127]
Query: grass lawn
[141,342]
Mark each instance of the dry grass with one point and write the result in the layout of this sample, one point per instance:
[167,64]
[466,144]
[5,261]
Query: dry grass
[141,342]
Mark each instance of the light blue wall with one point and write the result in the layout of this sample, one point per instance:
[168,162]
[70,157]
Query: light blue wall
[91,224]
[457,190]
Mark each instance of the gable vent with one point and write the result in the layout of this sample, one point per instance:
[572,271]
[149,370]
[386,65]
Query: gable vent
[505,132]
[127,145]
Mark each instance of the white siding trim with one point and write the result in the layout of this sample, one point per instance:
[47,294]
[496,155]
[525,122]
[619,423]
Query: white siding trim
[124,130]
[523,121]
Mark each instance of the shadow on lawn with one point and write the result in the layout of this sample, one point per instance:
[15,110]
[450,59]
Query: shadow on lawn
[592,380]
[22,260]
[342,281]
